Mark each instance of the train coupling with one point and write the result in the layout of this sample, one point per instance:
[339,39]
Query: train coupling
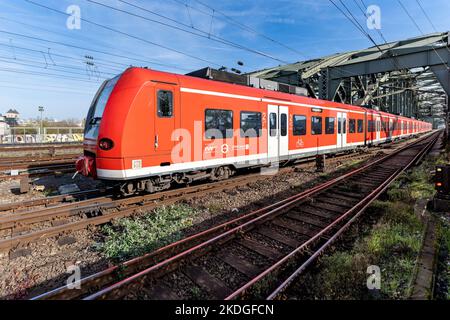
[86,166]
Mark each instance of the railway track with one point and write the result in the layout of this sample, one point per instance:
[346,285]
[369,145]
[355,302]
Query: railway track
[25,222]
[256,255]
[18,228]
[29,166]
[35,162]
[40,146]
[40,171]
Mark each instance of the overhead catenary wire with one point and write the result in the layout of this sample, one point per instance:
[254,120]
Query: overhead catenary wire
[60,72]
[355,22]
[429,20]
[28,72]
[99,62]
[204,34]
[84,48]
[395,61]
[421,31]
[105,27]
[46,88]
[130,55]
[48,67]
[241,25]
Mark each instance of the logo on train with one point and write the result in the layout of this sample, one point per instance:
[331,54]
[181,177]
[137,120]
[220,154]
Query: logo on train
[225,148]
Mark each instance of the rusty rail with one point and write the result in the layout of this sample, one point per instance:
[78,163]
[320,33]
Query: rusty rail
[202,242]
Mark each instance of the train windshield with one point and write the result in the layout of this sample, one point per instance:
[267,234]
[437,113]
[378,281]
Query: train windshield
[98,107]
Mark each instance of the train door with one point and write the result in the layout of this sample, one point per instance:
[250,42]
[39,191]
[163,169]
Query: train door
[164,116]
[278,132]
[342,129]
[378,128]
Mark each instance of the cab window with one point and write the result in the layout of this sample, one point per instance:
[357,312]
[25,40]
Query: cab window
[165,103]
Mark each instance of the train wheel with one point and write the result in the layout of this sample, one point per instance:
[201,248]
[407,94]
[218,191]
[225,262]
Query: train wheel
[127,189]
[221,173]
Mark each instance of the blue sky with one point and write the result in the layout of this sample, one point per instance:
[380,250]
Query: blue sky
[54,74]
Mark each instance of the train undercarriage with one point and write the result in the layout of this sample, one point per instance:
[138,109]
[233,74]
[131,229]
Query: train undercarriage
[164,182]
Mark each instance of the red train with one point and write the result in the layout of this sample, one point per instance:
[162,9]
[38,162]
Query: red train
[147,129]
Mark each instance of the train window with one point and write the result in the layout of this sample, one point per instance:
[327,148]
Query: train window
[329,125]
[351,126]
[283,125]
[273,124]
[165,103]
[299,125]
[250,124]
[316,125]
[342,125]
[218,124]
[360,125]
[371,126]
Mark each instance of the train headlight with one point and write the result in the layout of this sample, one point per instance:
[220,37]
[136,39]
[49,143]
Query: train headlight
[106,144]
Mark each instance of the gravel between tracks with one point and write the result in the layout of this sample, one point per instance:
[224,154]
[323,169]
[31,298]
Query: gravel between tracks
[46,267]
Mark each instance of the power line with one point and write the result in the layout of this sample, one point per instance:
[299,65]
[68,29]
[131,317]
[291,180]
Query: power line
[50,67]
[426,15]
[35,88]
[84,48]
[429,20]
[124,33]
[241,25]
[420,30]
[410,17]
[394,59]
[366,16]
[34,27]
[356,23]
[108,66]
[204,34]
[28,72]
[46,85]
[64,72]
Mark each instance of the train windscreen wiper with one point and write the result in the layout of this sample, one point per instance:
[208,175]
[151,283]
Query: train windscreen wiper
[95,120]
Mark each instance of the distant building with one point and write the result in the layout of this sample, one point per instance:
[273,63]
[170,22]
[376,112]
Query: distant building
[4,127]
[12,117]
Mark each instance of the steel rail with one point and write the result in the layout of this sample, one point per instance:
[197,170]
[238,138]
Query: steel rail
[67,210]
[105,276]
[229,233]
[364,203]
[22,219]
[12,207]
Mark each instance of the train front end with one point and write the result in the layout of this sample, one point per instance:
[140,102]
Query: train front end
[87,163]
[118,128]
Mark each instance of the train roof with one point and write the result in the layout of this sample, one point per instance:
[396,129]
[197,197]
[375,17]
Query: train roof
[240,90]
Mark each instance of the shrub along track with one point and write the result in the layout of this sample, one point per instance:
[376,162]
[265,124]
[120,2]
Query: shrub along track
[244,256]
